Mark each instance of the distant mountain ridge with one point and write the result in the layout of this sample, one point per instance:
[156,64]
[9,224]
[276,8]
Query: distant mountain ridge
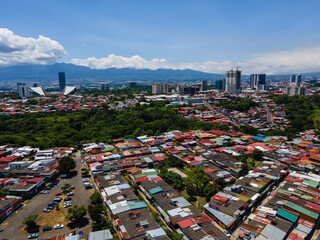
[39,73]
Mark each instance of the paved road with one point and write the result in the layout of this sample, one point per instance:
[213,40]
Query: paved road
[13,227]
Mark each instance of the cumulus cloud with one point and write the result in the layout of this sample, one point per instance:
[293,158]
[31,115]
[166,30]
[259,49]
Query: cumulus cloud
[16,49]
[297,60]
[137,62]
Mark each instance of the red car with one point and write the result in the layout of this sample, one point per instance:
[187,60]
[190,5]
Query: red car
[58,194]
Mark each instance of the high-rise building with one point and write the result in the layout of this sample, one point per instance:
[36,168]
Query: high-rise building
[293,89]
[191,90]
[293,78]
[23,90]
[132,84]
[220,84]
[233,81]
[204,85]
[298,79]
[258,82]
[105,86]
[165,88]
[156,88]
[62,81]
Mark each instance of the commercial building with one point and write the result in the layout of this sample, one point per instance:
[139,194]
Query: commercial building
[132,84]
[295,78]
[258,82]
[165,88]
[105,86]
[23,90]
[220,85]
[293,89]
[156,88]
[204,85]
[233,81]
[62,81]
[189,90]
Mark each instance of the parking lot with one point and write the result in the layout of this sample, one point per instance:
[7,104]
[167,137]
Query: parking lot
[13,228]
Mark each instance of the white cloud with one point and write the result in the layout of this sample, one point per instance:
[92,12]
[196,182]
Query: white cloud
[137,62]
[297,60]
[15,49]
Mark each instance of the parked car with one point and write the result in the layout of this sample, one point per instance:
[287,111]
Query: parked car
[67,204]
[50,207]
[226,233]
[47,228]
[67,199]
[1,229]
[86,180]
[83,169]
[72,187]
[43,192]
[55,183]
[58,194]
[48,188]
[46,210]
[33,230]
[57,199]
[58,226]
[88,186]
[32,236]
[70,194]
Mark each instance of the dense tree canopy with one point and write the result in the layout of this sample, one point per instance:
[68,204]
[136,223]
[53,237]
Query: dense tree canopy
[66,164]
[76,213]
[96,198]
[196,181]
[98,125]
[302,111]
[238,104]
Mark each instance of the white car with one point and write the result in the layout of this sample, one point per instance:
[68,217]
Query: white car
[58,226]
[67,204]
[226,233]
[46,210]
[43,192]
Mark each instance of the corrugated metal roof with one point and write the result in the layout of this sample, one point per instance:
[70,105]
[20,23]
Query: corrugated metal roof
[287,216]
[224,218]
[155,190]
[137,205]
[301,209]
[273,233]
[100,235]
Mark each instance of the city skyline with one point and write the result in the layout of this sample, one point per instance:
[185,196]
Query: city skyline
[208,36]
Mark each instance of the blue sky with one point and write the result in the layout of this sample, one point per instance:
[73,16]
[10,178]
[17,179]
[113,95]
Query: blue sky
[202,35]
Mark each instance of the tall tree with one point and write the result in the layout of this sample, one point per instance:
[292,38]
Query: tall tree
[66,164]
[76,213]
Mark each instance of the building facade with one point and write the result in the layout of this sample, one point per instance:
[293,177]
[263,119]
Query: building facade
[233,81]
[23,90]
[204,85]
[62,81]
[258,82]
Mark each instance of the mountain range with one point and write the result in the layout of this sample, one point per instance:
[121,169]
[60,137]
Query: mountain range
[47,73]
